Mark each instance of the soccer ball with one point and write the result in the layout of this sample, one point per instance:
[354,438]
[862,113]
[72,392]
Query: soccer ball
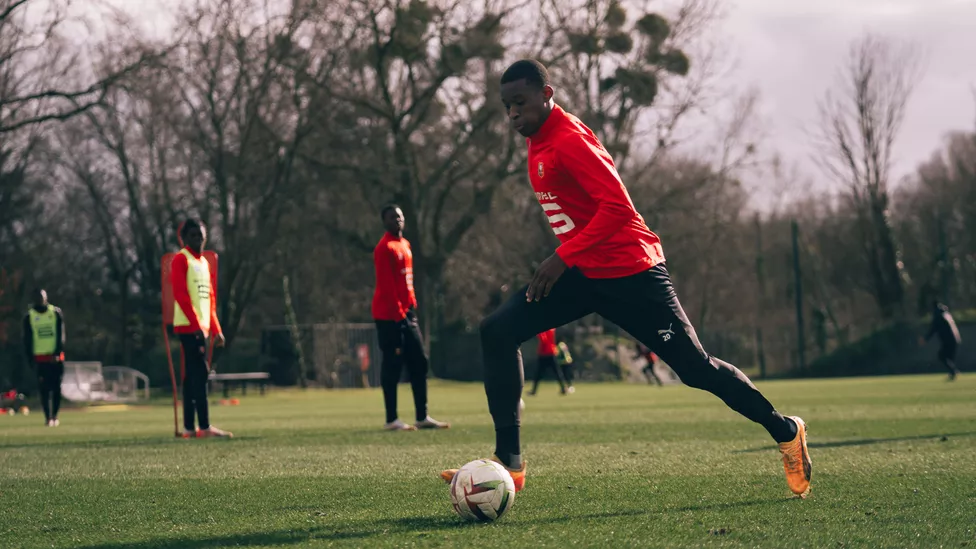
[482,490]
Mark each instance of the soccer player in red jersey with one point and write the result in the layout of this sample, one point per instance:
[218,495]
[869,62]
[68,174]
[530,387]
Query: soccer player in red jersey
[651,358]
[195,321]
[397,329]
[547,361]
[608,263]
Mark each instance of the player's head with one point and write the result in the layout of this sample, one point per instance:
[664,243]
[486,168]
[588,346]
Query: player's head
[39,297]
[194,234]
[527,95]
[392,217]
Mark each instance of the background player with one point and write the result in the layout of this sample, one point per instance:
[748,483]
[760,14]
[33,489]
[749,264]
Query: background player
[944,327]
[44,347]
[648,369]
[194,321]
[547,361]
[608,262]
[394,304]
[565,361]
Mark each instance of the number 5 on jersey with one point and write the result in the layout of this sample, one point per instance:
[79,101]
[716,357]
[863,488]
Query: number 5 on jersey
[560,222]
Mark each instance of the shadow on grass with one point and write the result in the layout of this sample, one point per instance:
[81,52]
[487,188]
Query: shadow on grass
[416,526]
[865,441]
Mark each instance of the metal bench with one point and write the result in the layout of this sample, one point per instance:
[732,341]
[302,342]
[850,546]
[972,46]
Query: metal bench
[226,380]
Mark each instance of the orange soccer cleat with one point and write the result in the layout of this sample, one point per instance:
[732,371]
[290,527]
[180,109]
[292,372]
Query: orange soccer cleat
[796,460]
[518,475]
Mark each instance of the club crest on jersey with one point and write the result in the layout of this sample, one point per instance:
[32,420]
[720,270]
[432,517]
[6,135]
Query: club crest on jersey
[541,171]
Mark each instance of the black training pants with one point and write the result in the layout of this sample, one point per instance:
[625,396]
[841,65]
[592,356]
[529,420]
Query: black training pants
[402,344]
[646,306]
[947,356]
[195,381]
[547,363]
[49,377]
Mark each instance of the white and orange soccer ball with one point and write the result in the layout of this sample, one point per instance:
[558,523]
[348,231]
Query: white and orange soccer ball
[482,491]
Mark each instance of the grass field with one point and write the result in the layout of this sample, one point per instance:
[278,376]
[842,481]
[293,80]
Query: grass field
[611,466]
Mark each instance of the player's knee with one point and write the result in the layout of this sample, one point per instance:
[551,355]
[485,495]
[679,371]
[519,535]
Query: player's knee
[495,331]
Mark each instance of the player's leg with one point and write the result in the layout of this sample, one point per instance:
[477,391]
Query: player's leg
[418,365]
[502,332]
[390,337]
[190,346]
[947,356]
[44,387]
[57,376]
[567,370]
[549,363]
[647,306]
[197,372]
[540,370]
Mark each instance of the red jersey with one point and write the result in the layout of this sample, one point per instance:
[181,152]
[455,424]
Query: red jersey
[547,343]
[181,294]
[588,206]
[393,262]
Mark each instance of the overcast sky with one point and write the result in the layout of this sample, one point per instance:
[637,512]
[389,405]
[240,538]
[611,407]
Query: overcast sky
[791,51]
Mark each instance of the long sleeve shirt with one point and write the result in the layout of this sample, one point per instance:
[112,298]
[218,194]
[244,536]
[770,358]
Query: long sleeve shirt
[393,264]
[588,207]
[182,296]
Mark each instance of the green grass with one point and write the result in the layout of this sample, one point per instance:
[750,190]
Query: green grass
[611,466]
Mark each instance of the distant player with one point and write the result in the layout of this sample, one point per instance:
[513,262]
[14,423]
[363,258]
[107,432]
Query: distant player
[648,369]
[565,361]
[944,327]
[546,356]
[194,321]
[44,347]
[608,262]
[394,310]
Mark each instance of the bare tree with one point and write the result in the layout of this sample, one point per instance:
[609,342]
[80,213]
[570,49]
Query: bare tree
[628,75]
[859,124]
[41,76]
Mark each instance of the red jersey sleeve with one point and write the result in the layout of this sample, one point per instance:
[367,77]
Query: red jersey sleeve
[177,278]
[586,161]
[401,268]
[214,323]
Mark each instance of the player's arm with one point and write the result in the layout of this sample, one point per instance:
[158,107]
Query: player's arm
[28,340]
[181,293]
[591,167]
[59,332]
[400,281]
[215,327]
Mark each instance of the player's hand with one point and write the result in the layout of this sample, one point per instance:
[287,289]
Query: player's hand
[545,278]
[219,340]
[921,341]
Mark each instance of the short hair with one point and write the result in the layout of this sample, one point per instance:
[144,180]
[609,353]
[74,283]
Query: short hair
[388,208]
[532,71]
[191,223]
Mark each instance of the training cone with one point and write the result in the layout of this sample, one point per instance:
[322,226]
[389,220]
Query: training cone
[234,402]
[224,402]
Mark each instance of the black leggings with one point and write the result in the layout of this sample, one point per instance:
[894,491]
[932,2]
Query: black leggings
[646,306]
[49,377]
[195,382]
[402,345]
[947,356]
